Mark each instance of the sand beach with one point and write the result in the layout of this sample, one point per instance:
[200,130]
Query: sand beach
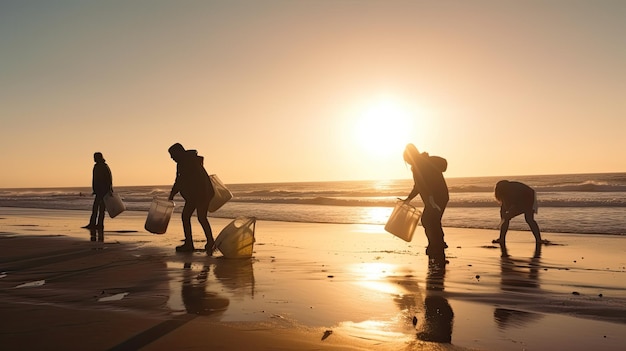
[307,287]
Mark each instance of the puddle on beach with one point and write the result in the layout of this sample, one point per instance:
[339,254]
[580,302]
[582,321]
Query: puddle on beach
[116,297]
[204,285]
[376,330]
[31,284]
[511,329]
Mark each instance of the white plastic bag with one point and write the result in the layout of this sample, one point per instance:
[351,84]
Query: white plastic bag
[222,194]
[113,204]
[403,221]
[236,240]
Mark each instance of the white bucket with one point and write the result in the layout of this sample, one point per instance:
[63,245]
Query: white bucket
[236,240]
[159,216]
[114,204]
[403,221]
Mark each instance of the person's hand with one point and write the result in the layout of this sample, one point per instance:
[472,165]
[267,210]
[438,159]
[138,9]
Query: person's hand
[433,204]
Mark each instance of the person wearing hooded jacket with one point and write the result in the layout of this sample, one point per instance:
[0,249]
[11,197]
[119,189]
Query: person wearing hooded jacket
[194,185]
[101,184]
[430,184]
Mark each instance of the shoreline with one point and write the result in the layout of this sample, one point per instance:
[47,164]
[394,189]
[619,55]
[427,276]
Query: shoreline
[517,225]
[361,286]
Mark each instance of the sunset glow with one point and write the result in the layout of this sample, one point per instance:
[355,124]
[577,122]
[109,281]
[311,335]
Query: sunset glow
[309,90]
[384,127]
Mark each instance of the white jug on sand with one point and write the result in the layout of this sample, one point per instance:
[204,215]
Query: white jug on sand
[159,215]
[403,221]
[236,240]
[114,204]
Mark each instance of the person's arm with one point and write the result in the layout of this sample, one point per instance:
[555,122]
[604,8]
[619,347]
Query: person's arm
[110,179]
[412,194]
[506,208]
[93,181]
[503,212]
[176,186]
[416,188]
[174,191]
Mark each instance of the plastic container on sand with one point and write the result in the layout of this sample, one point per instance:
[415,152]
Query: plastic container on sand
[159,215]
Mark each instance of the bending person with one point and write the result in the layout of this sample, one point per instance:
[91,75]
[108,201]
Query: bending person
[194,185]
[516,198]
[431,186]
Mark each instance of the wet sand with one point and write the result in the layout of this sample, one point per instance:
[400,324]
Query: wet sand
[308,287]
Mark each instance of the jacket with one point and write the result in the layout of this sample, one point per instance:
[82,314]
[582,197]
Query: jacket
[192,180]
[102,180]
[429,180]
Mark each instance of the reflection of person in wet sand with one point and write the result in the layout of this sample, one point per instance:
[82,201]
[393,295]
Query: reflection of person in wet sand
[518,276]
[237,275]
[97,234]
[195,297]
[438,315]
[234,275]
[516,198]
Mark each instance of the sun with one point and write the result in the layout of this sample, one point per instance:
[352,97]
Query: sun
[384,127]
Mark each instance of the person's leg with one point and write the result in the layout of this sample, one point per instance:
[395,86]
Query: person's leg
[431,221]
[437,231]
[534,227]
[505,219]
[427,223]
[188,209]
[504,227]
[94,215]
[101,207]
[203,217]
[441,233]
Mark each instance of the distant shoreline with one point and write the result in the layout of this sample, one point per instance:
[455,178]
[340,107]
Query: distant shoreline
[494,177]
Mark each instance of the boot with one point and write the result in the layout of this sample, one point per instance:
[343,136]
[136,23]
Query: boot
[187,246]
[210,248]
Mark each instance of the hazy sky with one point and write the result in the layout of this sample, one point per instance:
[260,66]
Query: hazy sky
[271,91]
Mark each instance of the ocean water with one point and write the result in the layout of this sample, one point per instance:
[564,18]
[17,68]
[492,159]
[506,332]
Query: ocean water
[570,203]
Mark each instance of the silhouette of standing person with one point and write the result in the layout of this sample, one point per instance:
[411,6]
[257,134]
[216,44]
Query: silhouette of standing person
[102,183]
[516,198]
[194,185]
[430,184]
